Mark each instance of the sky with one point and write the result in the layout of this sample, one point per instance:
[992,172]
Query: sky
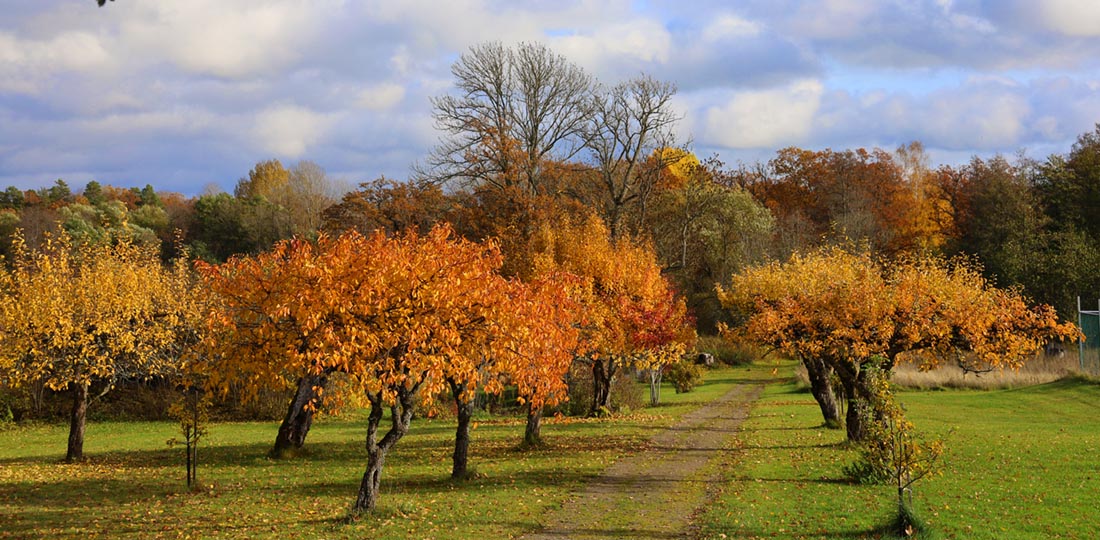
[185,94]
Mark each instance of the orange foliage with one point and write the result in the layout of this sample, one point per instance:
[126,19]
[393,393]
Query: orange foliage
[858,195]
[627,307]
[848,308]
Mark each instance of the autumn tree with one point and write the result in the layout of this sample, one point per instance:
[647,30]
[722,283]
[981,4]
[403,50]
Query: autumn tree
[859,196]
[515,108]
[844,313]
[627,306]
[547,339]
[389,206]
[264,179]
[83,317]
[929,223]
[400,316]
[704,229]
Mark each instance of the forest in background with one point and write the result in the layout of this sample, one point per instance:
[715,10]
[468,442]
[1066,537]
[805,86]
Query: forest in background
[1029,223]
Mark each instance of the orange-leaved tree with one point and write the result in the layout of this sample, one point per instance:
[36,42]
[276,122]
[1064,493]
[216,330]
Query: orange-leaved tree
[544,340]
[844,313]
[628,308]
[277,321]
[401,316]
[84,317]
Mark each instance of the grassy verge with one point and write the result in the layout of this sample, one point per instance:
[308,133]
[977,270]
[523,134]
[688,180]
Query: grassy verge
[1021,463]
[132,485]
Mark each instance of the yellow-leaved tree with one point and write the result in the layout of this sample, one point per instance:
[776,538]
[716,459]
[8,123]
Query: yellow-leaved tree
[846,314]
[630,314]
[81,318]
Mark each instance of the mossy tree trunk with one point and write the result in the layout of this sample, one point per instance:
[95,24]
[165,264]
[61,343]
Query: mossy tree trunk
[822,391]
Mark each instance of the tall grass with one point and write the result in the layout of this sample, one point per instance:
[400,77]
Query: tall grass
[1042,369]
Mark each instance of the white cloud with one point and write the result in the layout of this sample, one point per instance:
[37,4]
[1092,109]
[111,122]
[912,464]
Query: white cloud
[154,122]
[764,118]
[224,39]
[1079,18]
[25,65]
[631,42]
[289,130]
[381,97]
[987,118]
[727,26]
[834,19]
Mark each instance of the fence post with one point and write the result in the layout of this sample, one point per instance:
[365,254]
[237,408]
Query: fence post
[1081,338]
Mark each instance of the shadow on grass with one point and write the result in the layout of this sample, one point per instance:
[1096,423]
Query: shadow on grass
[604,532]
[841,445]
[65,523]
[781,428]
[826,481]
[809,532]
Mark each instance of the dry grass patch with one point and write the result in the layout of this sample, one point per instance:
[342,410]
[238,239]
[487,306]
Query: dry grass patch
[1040,370]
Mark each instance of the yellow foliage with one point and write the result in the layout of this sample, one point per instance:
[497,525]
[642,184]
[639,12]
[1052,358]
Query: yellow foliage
[78,314]
[628,310]
[846,307]
[679,164]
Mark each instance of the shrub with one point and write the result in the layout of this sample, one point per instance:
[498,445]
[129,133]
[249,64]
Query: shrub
[893,453]
[626,393]
[685,375]
[731,354]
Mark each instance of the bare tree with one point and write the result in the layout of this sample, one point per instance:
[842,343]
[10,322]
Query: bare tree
[515,109]
[310,191]
[631,123]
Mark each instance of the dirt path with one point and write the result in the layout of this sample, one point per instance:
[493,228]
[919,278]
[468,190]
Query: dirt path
[654,492]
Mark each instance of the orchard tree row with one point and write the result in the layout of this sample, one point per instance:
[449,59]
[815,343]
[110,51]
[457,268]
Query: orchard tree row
[399,319]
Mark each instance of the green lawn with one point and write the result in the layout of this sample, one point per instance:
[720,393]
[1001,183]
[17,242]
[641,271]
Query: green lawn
[132,485]
[1021,463]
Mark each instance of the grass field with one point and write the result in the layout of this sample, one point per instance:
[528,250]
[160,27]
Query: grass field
[1021,463]
[132,485]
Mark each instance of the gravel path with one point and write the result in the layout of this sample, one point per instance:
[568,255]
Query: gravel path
[654,492]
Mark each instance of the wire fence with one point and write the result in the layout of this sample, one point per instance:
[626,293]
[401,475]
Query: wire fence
[1089,347]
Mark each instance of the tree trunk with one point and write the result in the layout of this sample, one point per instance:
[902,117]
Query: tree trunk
[603,369]
[858,410]
[822,391]
[532,435]
[299,417]
[462,434]
[401,417]
[76,423]
[655,385]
